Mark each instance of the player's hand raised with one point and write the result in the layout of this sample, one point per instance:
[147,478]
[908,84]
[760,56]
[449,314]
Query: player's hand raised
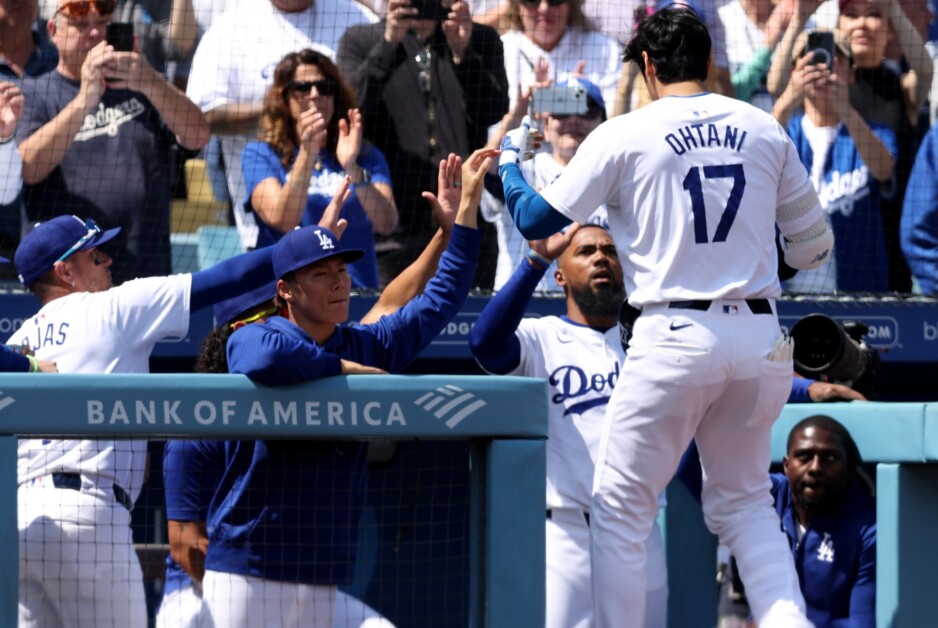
[473,175]
[449,187]
[520,143]
[554,246]
[330,218]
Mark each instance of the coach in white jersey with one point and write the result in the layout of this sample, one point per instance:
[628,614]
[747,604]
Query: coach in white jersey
[580,355]
[78,566]
[694,185]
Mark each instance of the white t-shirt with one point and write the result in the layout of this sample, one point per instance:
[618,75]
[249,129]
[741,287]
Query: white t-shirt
[235,61]
[691,186]
[102,332]
[602,55]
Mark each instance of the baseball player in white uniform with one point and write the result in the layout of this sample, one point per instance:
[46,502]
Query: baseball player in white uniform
[580,355]
[694,184]
[78,566]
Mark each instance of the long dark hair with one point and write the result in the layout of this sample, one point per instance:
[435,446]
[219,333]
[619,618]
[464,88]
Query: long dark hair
[278,128]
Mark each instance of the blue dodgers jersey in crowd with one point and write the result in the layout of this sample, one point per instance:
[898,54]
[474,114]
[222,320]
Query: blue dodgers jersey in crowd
[918,230]
[260,162]
[851,198]
[836,558]
[190,475]
[289,510]
[118,171]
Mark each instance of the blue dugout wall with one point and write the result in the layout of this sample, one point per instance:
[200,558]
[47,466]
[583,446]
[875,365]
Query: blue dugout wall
[503,419]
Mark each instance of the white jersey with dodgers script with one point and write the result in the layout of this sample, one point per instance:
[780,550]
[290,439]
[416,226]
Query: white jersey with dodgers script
[581,365]
[691,185]
[102,332]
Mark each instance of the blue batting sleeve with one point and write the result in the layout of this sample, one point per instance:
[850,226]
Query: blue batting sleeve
[493,341]
[799,390]
[237,275]
[13,362]
[268,355]
[533,216]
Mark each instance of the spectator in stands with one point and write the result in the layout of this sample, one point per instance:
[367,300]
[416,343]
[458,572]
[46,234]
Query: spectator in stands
[829,517]
[11,164]
[312,140]
[77,558]
[556,33]
[849,160]
[97,135]
[579,354]
[753,29]
[233,68]
[165,31]
[426,88]
[564,134]
[919,229]
[297,550]
[25,50]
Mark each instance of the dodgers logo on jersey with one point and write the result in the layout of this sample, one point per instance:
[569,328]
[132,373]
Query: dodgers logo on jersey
[825,552]
[572,382]
[325,242]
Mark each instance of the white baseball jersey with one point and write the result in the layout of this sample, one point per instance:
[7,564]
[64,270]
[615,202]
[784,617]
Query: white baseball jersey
[102,332]
[581,366]
[235,61]
[691,186]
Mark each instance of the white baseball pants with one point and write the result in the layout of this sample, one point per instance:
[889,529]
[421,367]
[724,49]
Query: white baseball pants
[703,375]
[183,608]
[236,601]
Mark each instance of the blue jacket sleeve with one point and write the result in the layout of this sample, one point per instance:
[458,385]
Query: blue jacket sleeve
[533,216]
[271,357]
[493,341]
[397,338]
[863,595]
[799,390]
[13,362]
[191,470]
[919,224]
[237,275]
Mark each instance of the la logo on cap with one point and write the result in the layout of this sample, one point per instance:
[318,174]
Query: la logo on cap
[325,242]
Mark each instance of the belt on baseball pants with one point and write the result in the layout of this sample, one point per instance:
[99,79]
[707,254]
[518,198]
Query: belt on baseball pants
[586,515]
[72,481]
[756,306]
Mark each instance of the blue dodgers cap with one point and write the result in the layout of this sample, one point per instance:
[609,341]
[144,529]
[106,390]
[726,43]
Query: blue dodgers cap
[54,239]
[593,93]
[305,245]
[229,310]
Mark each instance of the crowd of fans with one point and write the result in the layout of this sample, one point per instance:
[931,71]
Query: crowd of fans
[102,133]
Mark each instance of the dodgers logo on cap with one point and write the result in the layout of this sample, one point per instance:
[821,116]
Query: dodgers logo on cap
[306,245]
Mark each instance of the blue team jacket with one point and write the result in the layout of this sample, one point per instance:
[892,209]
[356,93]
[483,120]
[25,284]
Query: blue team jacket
[289,510]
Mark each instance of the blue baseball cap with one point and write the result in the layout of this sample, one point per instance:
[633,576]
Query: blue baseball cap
[305,245]
[229,310]
[53,241]
[594,95]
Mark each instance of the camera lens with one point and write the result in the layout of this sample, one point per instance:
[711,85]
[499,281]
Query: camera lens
[822,347]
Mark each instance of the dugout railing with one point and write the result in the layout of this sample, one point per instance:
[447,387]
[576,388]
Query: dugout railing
[503,418]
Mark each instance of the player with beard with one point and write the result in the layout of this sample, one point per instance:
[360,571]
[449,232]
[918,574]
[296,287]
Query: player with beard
[579,354]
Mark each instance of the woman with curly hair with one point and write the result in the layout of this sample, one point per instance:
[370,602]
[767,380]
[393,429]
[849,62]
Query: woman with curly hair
[311,134]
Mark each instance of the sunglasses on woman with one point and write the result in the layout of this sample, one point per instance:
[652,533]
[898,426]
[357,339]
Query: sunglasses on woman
[324,87]
[533,4]
[81,8]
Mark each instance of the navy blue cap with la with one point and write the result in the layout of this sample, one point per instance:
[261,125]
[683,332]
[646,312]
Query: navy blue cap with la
[306,245]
